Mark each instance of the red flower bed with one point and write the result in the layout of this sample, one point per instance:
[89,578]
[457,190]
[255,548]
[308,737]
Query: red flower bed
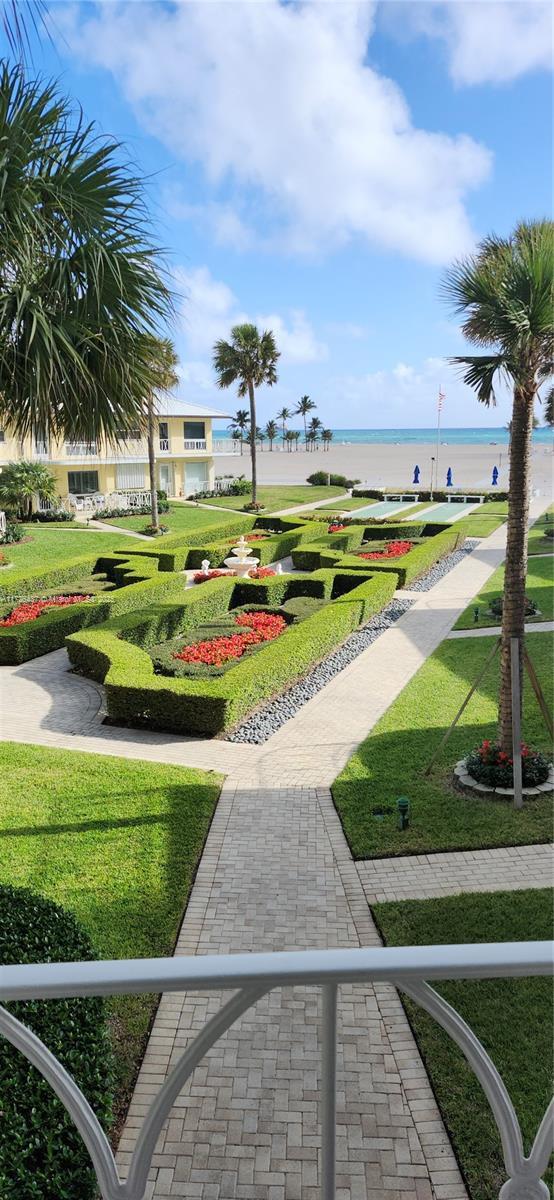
[249,537]
[29,610]
[261,573]
[490,765]
[200,577]
[392,550]
[336,528]
[215,652]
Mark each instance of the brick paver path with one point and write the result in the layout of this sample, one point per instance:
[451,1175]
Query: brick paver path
[417,876]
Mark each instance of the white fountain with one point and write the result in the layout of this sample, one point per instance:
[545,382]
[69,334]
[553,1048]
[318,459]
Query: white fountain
[241,563]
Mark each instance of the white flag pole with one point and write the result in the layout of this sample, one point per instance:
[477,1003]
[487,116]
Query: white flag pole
[438,436]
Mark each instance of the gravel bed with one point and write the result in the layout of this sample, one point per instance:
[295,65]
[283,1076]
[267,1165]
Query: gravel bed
[442,568]
[267,720]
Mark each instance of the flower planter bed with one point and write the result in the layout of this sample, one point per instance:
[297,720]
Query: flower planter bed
[489,770]
[258,627]
[390,550]
[30,610]
[429,544]
[117,652]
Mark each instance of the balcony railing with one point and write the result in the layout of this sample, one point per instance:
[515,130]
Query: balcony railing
[164,444]
[251,976]
[194,444]
[80,449]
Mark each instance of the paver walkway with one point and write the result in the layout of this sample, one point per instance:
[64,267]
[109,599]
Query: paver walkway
[418,876]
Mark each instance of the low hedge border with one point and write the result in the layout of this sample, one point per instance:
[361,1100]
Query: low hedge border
[19,585]
[138,583]
[439,496]
[187,551]
[42,1153]
[407,569]
[114,652]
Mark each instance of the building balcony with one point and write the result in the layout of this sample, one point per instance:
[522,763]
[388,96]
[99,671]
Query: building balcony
[195,444]
[247,978]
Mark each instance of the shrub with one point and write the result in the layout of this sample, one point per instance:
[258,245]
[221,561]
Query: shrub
[42,1154]
[240,487]
[322,478]
[488,764]
[301,607]
[549,533]
[497,606]
[427,551]
[45,518]
[207,706]
[13,533]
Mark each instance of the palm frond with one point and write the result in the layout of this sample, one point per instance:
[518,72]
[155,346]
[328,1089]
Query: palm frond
[479,371]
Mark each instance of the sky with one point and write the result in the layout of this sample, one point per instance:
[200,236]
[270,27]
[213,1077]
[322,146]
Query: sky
[314,167]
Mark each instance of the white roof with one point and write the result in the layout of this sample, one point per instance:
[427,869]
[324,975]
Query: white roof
[171,406]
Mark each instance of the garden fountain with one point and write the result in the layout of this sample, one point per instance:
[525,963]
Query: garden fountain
[242,563]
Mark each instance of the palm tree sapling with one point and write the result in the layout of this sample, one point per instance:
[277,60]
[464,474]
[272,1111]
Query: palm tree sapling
[249,360]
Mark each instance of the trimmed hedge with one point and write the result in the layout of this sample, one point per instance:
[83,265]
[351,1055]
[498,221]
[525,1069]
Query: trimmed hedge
[135,695]
[439,496]
[137,581]
[408,568]
[42,1155]
[277,546]
[18,585]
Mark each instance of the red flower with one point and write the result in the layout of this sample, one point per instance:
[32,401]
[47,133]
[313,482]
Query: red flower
[391,550]
[200,577]
[336,528]
[248,537]
[261,573]
[214,652]
[29,610]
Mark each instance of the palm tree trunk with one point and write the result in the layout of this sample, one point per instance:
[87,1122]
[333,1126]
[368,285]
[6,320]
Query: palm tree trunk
[252,398]
[152,467]
[513,609]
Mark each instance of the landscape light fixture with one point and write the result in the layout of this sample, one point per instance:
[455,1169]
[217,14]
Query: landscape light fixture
[403,806]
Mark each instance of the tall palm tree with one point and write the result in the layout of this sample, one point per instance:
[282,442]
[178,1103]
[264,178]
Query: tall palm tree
[239,426]
[305,405]
[289,439]
[283,416]
[549,408]
[504,293]
[18,21]
[260,436]
[327,438]
[21,482]
[313,430]
[164,362]
[296,438]
[271,431]
[249,359]
[81,279]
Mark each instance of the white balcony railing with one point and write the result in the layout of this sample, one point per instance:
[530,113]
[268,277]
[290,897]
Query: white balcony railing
[194,444]
[80,449]
[164,444]
[251,976]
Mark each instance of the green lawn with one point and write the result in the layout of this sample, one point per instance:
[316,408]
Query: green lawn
[509,1016]
[278,496]
[539,587]
[538,543]
[350,504]
[115,841]
[49,546]
[181,518]
[484,520]
[391,761]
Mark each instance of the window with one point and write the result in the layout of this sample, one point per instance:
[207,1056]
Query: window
[163,431]
[2,435]
[82,483]
[193,430]
[129,475]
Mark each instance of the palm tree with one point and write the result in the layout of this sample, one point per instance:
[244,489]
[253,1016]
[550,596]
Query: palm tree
[327,438]
[289,439]
[504,293]
[549,408]
[81,281]
[16,21]
[271,431]
[239,426]
[305,405]
[284,415]
[313,430]
[249,359]
[260,437]
[296,438]
[22,482]
[164,362]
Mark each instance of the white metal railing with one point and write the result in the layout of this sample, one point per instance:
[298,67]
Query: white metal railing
[225,446]
[194,443]
[80,449]
[251,976]
[41,449]
[164,444]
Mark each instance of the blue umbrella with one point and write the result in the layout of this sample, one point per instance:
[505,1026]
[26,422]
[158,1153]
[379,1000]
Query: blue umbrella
[495,477]
[449,477]
[416,475]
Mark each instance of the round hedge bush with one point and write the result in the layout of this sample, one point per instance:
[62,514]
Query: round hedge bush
[497,605]
[42,1155]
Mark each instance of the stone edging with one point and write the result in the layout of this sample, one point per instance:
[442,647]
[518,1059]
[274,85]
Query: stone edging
[466,781]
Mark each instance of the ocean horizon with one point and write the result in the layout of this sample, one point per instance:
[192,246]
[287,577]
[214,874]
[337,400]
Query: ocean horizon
[448,437]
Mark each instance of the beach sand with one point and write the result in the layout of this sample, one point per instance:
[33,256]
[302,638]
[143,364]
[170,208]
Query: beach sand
[386,465]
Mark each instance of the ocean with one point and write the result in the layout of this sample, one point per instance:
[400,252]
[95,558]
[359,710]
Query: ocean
[448,437]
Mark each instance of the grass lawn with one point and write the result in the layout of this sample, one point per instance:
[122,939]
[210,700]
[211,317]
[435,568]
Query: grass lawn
[349,504]
[115,841]
[49,546]
[484,520]
[181,518]
[391,761]
[278,496]
[538,543]
[539,587]
[509,1016]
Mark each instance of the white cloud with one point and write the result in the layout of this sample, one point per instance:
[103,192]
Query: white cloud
[209,308]
[278,103]
[488,41]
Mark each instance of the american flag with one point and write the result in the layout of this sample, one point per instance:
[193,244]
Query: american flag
[442,396]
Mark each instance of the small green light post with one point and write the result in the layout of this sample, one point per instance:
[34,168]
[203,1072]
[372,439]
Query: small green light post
[403,806]
[476,614]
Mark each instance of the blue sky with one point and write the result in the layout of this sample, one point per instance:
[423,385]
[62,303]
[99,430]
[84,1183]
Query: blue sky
[313,167]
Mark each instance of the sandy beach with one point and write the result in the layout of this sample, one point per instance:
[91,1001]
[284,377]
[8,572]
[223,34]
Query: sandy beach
[386,465]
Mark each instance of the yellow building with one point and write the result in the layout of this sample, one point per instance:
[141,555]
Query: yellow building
[184,460]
